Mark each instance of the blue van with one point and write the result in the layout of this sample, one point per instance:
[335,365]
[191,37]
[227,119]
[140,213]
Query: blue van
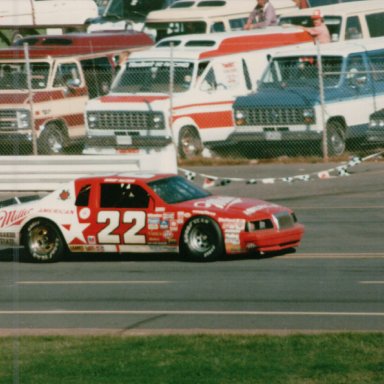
[322,94]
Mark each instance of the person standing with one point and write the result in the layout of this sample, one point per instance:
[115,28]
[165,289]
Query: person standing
[263,15]
[319,31]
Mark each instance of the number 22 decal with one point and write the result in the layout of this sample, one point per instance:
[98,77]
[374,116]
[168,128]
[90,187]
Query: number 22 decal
[131,236]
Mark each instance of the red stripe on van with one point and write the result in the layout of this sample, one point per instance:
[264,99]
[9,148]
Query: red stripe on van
[206,120]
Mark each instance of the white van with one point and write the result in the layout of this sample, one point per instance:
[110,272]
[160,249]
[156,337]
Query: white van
[25,17]
[204,16]
[345,21]
[183,89]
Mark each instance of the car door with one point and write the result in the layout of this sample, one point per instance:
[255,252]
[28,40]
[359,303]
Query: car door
[121,215]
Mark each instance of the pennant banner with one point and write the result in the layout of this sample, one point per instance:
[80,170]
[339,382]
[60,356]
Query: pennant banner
[339,171]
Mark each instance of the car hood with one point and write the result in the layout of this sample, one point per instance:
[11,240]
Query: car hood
[226,205]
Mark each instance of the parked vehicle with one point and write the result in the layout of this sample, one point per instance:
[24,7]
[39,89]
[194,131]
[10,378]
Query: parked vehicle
[204,16]
[124,14]
[345,21]
[28,17]
[375,133]
[44,85]
[145,213]
[291,106]
[182,89]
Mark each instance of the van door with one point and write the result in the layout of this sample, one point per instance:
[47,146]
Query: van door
[359,94]
[70,106]
[218,86]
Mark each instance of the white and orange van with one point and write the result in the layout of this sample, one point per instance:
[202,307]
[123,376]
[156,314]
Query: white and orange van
[183,90]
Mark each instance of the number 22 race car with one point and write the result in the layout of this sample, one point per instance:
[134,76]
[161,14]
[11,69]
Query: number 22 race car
[145,213]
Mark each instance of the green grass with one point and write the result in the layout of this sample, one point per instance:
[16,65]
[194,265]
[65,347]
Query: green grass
[217,359]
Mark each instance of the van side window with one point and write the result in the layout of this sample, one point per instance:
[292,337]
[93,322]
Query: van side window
[237,24]
[377,65]
[375,24]
[98,74]
[209,82]
[356,74]
[66,72]
[218,27]
[353,28]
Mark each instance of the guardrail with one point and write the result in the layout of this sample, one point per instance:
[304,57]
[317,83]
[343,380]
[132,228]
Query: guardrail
[46,173]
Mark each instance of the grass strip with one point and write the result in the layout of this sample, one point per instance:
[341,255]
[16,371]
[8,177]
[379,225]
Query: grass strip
[177,359]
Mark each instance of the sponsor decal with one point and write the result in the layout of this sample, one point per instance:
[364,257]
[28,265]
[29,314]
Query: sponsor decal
[64,195]
[91,240]
[164,224]
[8,218]
[84,213]
[201,212]
[216,202]
[58,211]
[249,211]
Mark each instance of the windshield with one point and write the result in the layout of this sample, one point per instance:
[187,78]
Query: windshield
[302,71]
[14,75]
[174,28]
[154,76]
[333,23]
[176,189]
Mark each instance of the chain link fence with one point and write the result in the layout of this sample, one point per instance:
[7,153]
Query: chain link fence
[304,106]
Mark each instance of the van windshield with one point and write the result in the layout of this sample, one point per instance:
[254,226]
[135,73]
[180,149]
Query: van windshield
[333,23]
[154,76]
[302,71]
[14,75]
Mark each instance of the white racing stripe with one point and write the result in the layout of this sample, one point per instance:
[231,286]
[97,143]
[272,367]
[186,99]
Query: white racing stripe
[91,282]
[189,312]
[371,282]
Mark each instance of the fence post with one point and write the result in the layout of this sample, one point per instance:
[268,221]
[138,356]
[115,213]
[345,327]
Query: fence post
[322,103]
[30,98]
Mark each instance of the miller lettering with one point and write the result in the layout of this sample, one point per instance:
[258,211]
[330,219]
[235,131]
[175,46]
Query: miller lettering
[8,218]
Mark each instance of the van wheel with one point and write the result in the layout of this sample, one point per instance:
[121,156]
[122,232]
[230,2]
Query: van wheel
[43,241]
[202,240]
[190,144]
[336,139]
[52,141]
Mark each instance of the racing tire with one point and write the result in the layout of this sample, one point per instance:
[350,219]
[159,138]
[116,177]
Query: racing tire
[202,240]
[336,139]
[52,141]
[190,144]
[43,242]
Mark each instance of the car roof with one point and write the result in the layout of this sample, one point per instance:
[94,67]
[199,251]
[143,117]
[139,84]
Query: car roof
[337,49]
[338,9]
[143,176]
[198,46]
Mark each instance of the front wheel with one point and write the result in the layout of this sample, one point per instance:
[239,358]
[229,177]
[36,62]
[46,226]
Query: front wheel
[190,144]
[43,241]
[336,141]
[202,240]
[52,141]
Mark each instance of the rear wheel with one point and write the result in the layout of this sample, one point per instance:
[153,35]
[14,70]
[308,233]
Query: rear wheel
[190,144]
[202,240]
[43,241]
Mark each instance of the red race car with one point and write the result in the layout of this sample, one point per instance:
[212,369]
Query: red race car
[145,213]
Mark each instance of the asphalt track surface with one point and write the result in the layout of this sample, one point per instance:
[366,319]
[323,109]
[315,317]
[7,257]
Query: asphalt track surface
[334,282]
